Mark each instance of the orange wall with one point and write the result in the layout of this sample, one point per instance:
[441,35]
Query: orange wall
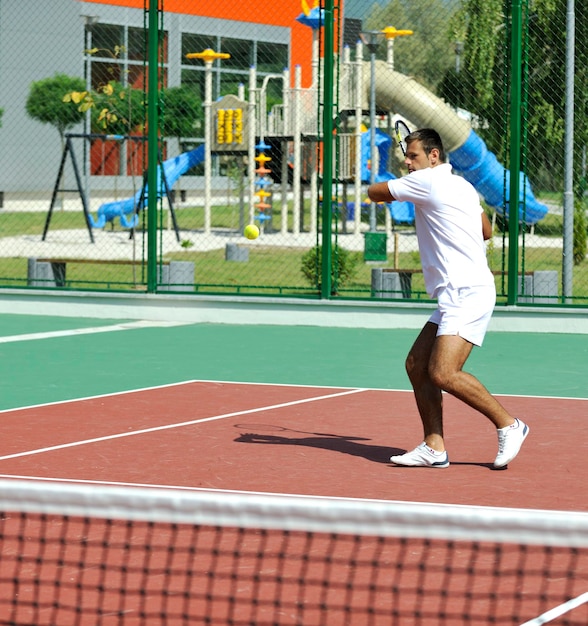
[280,13]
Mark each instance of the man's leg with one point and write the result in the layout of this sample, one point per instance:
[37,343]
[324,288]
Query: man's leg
[430,453]
[427,394]
[448,356]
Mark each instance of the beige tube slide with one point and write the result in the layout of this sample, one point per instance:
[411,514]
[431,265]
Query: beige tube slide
[404,96]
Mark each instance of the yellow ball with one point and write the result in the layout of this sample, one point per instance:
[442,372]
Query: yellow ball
[251,231]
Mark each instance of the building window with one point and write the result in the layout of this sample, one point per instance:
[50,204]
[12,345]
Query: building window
[119,53]
[228,74]
[136,46]
[106,38]
[242,53]
[272,58]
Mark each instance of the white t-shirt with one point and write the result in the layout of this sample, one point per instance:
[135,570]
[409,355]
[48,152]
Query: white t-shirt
[448,226]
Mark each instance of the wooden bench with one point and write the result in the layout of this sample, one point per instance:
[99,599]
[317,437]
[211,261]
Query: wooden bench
[540,286]
[51,272]
[388,281]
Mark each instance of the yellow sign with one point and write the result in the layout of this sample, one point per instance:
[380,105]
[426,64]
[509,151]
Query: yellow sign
[229,124]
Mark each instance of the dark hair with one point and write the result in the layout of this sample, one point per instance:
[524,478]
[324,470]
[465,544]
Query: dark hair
[429,139]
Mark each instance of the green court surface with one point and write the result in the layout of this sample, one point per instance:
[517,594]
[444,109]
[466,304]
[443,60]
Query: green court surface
[11,325]
[55,365]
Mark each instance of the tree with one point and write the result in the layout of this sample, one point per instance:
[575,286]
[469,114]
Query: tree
[486,89]
[429,52]
[115,109]
[45,102]
[547,89]
[480,84]
[182,112]
[485,81]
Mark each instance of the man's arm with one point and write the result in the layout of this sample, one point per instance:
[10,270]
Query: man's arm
[486,227]
[380,192]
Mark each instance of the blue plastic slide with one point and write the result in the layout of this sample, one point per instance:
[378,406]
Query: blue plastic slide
[476,164]
[401,212]
[480,167]
[468,153]
[125,210]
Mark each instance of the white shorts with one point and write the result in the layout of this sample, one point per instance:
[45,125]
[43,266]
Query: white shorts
[465,311]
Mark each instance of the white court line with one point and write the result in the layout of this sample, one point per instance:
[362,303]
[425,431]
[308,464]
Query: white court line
[242,492]
[178,425]
[112,394]
[89,331]
[558,611]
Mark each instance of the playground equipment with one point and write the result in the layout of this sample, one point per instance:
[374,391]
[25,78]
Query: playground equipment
[467,151]
[401,212]
[291,131]
[262,181]
[208,56]
[398,95]
[127,210]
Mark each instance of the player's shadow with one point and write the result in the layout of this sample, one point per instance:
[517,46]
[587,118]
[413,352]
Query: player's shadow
[354,446]
[344,444]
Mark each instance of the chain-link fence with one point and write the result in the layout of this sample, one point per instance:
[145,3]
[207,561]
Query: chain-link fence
[454,66]
[240,125]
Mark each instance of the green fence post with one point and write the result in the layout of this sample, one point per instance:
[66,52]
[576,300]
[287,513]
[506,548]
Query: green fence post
[515,151]
[328,90]
[152,142]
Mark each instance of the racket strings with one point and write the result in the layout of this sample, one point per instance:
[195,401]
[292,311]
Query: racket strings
[402,131]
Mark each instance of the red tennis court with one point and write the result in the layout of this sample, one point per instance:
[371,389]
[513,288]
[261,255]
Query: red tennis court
[331,442]
[297,440]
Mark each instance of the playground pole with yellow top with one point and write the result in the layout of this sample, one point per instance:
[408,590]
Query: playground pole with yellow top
[209,56]
[391,33]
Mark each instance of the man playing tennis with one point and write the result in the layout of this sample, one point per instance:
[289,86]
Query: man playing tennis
[451,228]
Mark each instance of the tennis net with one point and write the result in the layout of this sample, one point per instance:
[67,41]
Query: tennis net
[85,554]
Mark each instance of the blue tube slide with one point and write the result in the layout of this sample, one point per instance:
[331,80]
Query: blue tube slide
[173,169]
[468,153]
[401,212]
[480,167]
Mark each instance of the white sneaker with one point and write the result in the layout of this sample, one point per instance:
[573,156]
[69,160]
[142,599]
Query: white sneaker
[510,440]
[422,456]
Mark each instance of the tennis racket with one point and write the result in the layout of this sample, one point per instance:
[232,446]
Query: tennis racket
[402,131]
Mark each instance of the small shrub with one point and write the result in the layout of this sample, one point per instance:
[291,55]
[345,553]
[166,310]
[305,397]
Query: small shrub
[45,102]
[343,267]
[580,233]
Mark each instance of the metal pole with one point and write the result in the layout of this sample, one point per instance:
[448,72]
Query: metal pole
[328,91]
[89,22]
[207,144]
[458,53]
[251,142]
[87,117]
[390,53]
[372,134]
[515,152]
[297,192]
[358,132]
[152,143]
[568,196]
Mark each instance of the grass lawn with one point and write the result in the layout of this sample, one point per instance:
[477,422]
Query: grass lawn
[269,270]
